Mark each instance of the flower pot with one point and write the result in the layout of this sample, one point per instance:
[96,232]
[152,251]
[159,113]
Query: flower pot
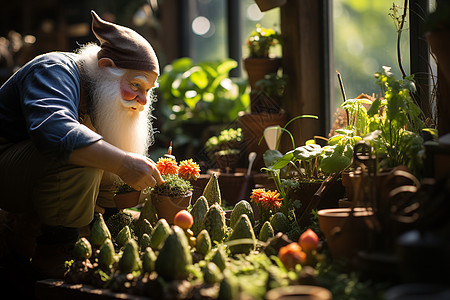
[256,69]
[127,200]
[265,5]
[167,207]
[299,292]
[345,231]
[227,162]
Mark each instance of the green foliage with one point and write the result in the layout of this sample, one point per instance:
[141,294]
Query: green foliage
[272,85]
[397,123]
[261,40]
[230,138]
[118,221]
[199,93]
[173,186]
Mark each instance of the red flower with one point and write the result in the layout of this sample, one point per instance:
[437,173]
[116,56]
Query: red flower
[189,170]
[167,166]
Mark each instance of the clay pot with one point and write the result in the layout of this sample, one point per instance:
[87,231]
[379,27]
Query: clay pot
[127,200]
[257,68]
[167,207]
[306,292]
[345,233]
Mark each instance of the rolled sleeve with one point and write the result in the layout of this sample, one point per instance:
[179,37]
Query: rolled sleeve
[51,95]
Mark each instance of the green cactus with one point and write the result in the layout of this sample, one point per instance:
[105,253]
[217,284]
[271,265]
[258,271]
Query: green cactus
[123,236]
[106,255]
[175,257]
[266,232]
[160,233]
[130,261]
[211,273]
[242,230]
[203,244]
[148,212]
[99,231]
[219,258]
[214,223]
[145,228]
[144,242]
[82,249]
[212,190]
[198,212]
[279,222]
[242,207]
[148,260]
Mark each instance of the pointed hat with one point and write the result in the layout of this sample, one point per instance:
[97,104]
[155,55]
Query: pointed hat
[127,48]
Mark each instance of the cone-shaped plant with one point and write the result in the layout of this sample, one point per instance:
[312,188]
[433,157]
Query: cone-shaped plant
[212,191]
[99,231]
[130,261]
[198,212]
[243,235]
[174,258]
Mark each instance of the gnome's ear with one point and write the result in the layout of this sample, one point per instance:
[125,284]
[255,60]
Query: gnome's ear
[106,62]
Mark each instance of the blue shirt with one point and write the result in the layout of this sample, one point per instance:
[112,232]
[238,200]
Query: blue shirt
[40,102]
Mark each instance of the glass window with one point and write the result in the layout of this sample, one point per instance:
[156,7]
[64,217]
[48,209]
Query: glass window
[365,39]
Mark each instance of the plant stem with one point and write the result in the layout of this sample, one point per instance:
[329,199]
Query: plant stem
[399,35]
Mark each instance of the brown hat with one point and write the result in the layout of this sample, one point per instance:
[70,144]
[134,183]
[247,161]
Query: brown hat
[127,48]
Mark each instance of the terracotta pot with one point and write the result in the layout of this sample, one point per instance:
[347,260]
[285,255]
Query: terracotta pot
[253,126]
[127,200]
[310,292]
[167,207]
[265,5]
[257,68]
[345,234]
[227,161]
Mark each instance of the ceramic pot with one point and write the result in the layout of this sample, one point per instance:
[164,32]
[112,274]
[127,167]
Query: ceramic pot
[257,68]
[127,200]
[346,233]
[167,207]
[306,292]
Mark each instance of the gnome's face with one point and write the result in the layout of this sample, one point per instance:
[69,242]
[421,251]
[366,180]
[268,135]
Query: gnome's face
[135,87]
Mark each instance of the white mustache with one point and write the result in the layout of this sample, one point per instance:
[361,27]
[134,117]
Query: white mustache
[132,104]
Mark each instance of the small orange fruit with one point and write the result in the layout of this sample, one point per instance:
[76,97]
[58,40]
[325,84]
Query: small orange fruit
[183,219]
[291,255]
[309,240]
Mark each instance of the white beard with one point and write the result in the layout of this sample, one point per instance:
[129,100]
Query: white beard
[127,129]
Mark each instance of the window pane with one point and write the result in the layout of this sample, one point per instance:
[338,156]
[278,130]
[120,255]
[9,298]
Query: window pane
[207,21]
[365,39]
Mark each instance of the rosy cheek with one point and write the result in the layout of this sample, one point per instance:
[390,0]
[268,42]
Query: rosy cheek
[126,92]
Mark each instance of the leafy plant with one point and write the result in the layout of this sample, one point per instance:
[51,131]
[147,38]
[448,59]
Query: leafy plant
[261,40]
[173,186]
[396,123]
[198,94]
[272,85]
[227,139]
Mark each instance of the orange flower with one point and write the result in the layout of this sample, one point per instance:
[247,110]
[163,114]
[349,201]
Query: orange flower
[167,166]
[189,170]
[266,199]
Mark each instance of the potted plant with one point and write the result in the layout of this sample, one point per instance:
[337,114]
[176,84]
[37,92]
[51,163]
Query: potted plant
[261,60]
[176,192]
[269,92]
[125,196]
[225,148]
